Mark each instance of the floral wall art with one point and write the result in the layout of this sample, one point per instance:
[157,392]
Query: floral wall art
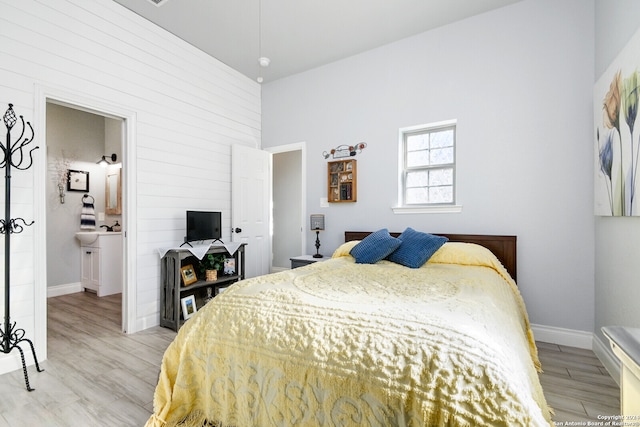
[617,135]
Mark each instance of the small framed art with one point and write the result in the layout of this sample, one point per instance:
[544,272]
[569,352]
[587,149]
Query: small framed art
[188,275]
[78,181]
[229,266]
[188,306]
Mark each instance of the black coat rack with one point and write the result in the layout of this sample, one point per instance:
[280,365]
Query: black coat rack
[21,158]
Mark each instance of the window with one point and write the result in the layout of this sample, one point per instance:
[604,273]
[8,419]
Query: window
[427,165]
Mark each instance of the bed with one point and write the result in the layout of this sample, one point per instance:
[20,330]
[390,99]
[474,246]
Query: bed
[339,343]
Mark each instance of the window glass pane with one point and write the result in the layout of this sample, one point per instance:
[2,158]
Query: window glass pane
[417,179]
[418,142]
[442,138]
[417,158]
[441,194]
[441,156]
[441,177]
[417,196]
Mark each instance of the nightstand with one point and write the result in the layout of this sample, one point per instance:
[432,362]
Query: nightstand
[302,260]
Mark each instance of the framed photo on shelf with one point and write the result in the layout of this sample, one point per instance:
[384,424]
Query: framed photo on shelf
[188,306]
[188,275]
[229,266]
[78,181]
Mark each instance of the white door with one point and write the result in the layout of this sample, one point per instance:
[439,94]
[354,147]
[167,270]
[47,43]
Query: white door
[250,206]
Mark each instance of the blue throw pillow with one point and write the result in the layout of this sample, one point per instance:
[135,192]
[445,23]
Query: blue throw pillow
[416,248]
[374,247]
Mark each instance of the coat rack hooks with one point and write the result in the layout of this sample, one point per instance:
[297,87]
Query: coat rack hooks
[20,157]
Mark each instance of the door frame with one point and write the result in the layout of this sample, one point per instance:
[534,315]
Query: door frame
[84,102]
[302,147]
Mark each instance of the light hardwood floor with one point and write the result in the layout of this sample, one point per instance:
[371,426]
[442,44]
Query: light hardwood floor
[97,376]
[576,384]
[94,375]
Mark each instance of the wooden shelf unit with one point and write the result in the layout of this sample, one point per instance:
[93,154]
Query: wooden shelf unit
[173,288]
[342,181]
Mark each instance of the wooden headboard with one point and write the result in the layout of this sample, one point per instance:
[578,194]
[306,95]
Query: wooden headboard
[503,247]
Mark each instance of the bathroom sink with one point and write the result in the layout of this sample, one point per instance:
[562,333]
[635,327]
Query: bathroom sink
[87,237]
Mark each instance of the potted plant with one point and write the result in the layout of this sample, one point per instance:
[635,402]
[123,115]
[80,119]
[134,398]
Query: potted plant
[210,265]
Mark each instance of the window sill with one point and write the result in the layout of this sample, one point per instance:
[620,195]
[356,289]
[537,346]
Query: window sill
[427,209]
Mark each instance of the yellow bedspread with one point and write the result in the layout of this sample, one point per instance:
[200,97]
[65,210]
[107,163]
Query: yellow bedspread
[343,344]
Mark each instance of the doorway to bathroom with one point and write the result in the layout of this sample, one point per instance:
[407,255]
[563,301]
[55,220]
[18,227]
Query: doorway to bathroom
[80,193]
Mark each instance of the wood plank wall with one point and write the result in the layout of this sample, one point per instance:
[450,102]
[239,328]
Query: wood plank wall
[190,108]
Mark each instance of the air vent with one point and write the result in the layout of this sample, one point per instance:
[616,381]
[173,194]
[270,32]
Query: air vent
[159,2]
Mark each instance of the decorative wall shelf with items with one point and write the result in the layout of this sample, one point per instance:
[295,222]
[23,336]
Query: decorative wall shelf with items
[342,178]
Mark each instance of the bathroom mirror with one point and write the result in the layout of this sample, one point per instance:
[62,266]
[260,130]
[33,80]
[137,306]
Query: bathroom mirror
[113,192]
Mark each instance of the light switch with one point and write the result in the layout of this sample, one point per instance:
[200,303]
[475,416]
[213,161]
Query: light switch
[100,216]
[324,202]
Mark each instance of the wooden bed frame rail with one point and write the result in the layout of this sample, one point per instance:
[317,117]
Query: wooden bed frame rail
[503,247]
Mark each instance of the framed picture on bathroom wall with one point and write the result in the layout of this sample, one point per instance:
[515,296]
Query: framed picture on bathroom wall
[78,181]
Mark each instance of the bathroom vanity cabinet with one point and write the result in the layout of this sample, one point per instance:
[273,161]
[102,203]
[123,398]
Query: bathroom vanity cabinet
[174,288]
[101,264]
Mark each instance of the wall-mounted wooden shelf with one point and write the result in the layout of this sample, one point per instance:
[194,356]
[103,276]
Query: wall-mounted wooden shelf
[343,184]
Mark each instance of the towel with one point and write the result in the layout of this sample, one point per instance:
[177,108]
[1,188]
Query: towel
[88,216]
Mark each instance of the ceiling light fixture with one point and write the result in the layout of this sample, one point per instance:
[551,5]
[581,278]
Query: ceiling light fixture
[264,61]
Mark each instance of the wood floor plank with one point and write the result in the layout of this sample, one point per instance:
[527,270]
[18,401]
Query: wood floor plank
[95,375]
[576,384]
[98,376]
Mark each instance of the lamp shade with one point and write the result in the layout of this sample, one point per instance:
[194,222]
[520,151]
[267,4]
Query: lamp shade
[317,222]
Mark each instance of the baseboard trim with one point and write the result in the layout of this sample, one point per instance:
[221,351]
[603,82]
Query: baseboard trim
[64,289]
[12,362]
[562,336]
[609,360]
[145,322]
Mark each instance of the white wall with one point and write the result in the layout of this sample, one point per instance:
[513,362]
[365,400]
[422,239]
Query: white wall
[188,109]
[617,239]
[519,81]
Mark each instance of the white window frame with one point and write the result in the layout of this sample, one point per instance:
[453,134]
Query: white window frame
[402,207]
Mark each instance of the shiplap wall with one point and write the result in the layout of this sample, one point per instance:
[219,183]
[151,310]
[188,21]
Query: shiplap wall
[189,109]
